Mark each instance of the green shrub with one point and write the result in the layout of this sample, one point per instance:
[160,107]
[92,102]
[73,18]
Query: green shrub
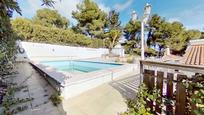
[28,31]
[117,60]
[130,59]
[138,105]
[151,52]
[97,43]
[19,109]
[56,99]
[136,51]
[196,92]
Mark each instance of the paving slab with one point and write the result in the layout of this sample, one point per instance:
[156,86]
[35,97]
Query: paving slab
[36,89]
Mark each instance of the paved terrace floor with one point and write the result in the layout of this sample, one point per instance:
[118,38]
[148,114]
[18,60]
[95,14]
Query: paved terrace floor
[37,88]
[107,99]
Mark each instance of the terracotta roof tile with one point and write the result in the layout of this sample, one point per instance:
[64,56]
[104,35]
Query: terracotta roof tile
[195,55]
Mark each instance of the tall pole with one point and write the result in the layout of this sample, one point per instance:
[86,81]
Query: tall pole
[142,40]
[144,21]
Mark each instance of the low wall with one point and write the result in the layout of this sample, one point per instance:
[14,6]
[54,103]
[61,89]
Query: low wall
[40,51]
[119,51]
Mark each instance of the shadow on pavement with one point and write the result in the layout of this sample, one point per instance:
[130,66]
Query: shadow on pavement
[127,86]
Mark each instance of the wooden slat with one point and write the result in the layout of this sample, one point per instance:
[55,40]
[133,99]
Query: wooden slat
[159,86]
[149,81]
[193,105]
[169,93]
[151,87]
[180,96]
[145,77]
[152,80]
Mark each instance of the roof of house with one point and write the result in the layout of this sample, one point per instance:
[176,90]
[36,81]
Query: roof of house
[171,57]
[195,53]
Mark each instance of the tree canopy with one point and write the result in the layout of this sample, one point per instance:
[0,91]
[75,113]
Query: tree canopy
[91,19]
[50,18]
[161,34]
[28,31]
[173,35]
[114,30]
[7,37]
[131,30]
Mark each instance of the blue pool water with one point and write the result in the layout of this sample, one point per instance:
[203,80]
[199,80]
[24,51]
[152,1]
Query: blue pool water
[79,66]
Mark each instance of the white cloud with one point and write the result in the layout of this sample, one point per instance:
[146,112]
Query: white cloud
[123,6]
[192,18]
[173,20]
[193,14]
[64,7]
[196,26]
[33,6]
[104,8]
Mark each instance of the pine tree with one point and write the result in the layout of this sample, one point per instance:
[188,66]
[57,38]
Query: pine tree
[115,31]
[172,35]
[132,30]
[91,19]
[50,18]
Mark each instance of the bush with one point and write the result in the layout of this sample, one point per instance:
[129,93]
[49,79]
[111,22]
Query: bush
[196,92]
[37,33]
[19,109]
[97,43]
[117,60]
[138,105]
[130,60]
[56,99]
[150,52]
[136,51]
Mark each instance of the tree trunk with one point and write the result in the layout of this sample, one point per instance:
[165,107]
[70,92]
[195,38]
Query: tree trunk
[112,44]
[110,51]
[160,48]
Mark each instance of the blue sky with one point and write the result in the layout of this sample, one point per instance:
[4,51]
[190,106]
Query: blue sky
[189,12]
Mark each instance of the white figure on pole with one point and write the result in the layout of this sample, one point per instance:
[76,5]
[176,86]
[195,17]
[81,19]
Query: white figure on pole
[134,16]
[145,18]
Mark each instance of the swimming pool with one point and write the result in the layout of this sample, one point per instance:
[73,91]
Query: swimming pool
[91,74]
[79,66]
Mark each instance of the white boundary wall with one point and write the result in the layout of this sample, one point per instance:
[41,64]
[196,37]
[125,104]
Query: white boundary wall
[41,51]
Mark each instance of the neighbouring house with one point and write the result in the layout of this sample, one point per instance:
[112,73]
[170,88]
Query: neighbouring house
[194,54]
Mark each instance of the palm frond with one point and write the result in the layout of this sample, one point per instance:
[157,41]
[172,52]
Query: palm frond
[49,3]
